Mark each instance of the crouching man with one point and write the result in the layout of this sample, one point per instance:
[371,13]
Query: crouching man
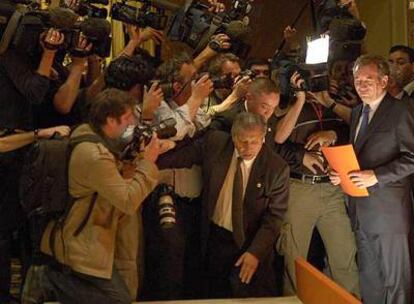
[87,267]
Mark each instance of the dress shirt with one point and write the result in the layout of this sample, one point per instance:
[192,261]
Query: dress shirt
[181,114]
[222,215]
[408,89]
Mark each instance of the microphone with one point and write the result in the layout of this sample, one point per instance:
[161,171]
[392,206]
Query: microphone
[96,28]
[165,5]
[237,29]
[62,18]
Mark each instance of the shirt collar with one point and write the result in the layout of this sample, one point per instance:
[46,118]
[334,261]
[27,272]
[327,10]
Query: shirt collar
[409,88]
[375,104]
[247,162]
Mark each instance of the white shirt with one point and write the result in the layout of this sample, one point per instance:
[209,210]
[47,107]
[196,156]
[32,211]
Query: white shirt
[181,114]
[222,215]
[409,88]
[374,106]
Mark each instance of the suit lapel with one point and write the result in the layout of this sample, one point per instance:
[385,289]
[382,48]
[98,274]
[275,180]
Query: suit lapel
[354,123]
[219,169]
[379,115]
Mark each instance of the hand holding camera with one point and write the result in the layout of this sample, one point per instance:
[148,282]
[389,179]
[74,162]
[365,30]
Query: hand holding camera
[241,86]
[81,50]
[152,100]
[219,42]
[297,83]
[202,88]
[51,39]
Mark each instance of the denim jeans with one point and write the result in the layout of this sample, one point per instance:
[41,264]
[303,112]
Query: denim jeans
[73,287]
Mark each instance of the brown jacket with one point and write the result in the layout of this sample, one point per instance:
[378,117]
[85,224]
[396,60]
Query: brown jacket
[111,232]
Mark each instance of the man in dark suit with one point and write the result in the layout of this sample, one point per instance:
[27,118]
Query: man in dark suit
[383,139]
[245,196]
[262,98]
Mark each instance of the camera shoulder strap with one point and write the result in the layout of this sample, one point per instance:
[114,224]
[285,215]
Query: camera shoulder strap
[9,31]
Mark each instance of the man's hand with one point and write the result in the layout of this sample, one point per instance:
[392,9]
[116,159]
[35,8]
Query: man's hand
[51,40]
[152,100]
[81,51]
[297,82]
[202,88]
[363,179]
[290,35]
[166,145]
[312,160]
[49,132]
[241,86]
[321,138]
[152,150]
[334,177]
[150,33]
[216,6]
[134,33]
[222,40]
[248,265]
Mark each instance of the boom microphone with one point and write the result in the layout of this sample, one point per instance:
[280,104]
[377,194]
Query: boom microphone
[62,18]
[237,29]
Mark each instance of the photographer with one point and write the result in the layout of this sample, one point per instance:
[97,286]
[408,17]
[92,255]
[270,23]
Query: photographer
[24,81]
[185,95]
[225,67]
[311,125]
[84,270]
[62,104]
[259,67]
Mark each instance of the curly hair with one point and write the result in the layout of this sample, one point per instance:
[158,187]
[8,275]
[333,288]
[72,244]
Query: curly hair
[125,72]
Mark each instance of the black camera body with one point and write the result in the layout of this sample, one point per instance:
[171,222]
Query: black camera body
[101,46]
[142,135]
[142,17]
[89,10]
[315,76]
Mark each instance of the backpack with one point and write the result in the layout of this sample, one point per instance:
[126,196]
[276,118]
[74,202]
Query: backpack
[44,188]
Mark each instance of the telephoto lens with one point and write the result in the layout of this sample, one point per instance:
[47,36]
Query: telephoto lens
[166,207]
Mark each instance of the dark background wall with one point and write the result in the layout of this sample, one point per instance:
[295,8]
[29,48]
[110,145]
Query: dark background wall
[267,20]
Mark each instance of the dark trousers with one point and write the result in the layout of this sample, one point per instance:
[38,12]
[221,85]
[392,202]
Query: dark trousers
[385,267]
[11,215]
[75,288]
[223,277]
[5,265]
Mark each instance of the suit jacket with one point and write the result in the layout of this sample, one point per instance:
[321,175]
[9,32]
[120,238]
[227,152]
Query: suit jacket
[266,195]
[387,147]
[290,152]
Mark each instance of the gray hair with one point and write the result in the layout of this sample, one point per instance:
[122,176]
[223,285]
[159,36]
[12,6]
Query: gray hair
[379,61]
[248,121]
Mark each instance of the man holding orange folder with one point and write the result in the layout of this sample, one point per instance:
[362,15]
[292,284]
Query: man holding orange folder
[383,139]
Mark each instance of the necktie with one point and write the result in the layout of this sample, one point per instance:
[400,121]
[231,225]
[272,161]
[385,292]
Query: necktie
[364,121]
[237,205]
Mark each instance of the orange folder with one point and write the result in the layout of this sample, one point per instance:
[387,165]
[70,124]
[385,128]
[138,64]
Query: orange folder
[343,160]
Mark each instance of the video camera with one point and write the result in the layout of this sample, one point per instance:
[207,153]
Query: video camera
[196,25]
[345,30]
[142,135]
[87,8]
[141,17]
[219,82]
[26,26]
[314,71]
